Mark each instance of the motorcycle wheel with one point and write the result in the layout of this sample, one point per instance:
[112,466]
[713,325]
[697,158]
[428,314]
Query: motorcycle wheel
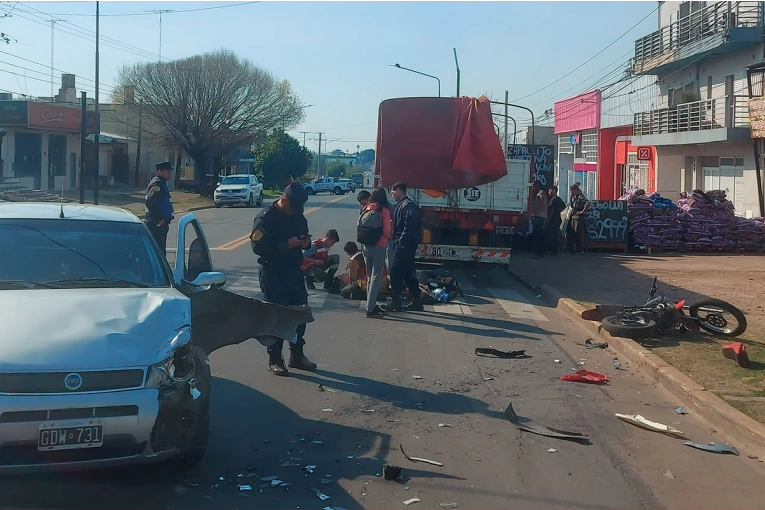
[713,321]
[619,326]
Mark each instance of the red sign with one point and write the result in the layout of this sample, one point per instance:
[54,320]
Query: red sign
[54,117]
[644,153]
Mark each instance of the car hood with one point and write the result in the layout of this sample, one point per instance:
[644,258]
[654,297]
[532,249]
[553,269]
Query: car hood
[61,329]
[226,187]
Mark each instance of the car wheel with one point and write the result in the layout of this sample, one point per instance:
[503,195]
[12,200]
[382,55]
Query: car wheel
[338,191]
[249,201]
[194,453]
[218,206]
[260,199]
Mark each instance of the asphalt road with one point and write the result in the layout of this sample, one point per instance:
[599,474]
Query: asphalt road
[260,422]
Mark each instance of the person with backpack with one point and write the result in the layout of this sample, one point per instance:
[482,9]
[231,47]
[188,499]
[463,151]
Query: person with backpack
[373,231]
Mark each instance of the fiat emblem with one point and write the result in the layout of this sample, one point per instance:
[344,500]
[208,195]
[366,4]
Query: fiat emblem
[73,381]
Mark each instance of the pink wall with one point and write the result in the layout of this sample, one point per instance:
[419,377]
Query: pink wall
[578,113]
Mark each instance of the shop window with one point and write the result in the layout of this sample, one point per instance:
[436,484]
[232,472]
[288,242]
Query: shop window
[739,162]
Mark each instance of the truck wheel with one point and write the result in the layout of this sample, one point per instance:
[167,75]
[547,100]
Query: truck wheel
[250,201]
[260,200]
[337,191]
[310,191]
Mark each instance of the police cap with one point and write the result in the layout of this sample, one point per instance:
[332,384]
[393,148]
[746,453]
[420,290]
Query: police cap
[297,196]
[165,165]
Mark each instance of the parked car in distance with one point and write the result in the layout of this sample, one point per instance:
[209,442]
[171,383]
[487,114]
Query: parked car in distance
[358,180]
[239,189]
[350,183]
[104,351]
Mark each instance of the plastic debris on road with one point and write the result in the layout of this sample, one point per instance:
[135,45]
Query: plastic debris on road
[309,468]
[391,473]
[276,483]
[713,447]
[523,424]
[316,441]
[449,505]
[585,376]
[669,475]
[268,478]
[416,377]
[681,410]
[413,500]
[617,365]
[445,425]
[593,345]
[419,459]
[319,495]
[328,410]
[551,450]
[737,352]
[491,352]
[367,410]
[245,487]
[642,422]
[556,360]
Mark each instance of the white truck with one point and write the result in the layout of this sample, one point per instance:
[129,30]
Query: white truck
[329,185]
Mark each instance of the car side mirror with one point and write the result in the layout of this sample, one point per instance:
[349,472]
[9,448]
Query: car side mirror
[208,279]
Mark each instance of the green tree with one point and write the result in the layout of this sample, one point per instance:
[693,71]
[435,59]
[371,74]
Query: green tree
[339,171]
[367,156]
[280,159]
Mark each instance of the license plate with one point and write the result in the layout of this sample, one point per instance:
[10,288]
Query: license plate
[503,230]
[70,435]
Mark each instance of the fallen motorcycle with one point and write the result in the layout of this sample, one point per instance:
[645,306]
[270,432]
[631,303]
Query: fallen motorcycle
[661,315]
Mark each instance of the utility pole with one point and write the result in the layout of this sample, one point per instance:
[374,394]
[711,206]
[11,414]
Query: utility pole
[83,135]
[458,73]
[98,120]
[138,148]
[318,160]
[304,133]
[160,12]
[52,32]
[507,149]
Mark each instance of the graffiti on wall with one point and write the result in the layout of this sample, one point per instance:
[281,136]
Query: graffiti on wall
[542,158]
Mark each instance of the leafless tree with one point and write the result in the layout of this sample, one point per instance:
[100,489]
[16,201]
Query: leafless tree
[213,103]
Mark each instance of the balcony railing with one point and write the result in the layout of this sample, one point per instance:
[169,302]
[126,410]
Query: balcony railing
[721,112]
[717,18]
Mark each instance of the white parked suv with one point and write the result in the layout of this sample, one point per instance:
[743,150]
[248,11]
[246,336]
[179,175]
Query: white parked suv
[239,189]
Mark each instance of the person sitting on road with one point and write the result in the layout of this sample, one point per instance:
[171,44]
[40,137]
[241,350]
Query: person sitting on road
[355,280]
[318,264]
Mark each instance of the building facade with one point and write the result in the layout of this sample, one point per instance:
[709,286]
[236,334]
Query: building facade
[698,129]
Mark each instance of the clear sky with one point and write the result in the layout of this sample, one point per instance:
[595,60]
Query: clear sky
[337,55]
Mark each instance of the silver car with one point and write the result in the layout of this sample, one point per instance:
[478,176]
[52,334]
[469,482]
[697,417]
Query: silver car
[239,189]
[103,356]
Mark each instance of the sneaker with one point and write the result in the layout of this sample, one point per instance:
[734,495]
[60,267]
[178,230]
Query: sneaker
[376,313]
[393,306]
[414,306]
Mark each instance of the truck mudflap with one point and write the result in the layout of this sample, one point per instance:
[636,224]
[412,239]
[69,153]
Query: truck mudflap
[463,253]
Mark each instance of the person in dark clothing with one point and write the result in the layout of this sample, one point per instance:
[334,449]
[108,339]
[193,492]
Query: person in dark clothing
[363,198]
[159,208]
[406,237]
[577,227]
[279,235]
[538,220]
[555,207]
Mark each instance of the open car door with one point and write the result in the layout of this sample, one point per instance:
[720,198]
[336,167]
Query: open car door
[219,317]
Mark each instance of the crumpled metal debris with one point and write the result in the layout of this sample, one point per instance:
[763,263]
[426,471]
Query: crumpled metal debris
[642,422]
[713,447]
[413,500]
[321,496]
[593,345]
[523,424]
[419,459]
[491,352]
[391,472]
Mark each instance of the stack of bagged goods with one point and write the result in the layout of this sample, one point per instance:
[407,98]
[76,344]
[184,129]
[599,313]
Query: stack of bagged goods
[699,221]
[653,220]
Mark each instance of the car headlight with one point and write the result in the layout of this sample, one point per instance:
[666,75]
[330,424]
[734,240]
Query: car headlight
[177,368]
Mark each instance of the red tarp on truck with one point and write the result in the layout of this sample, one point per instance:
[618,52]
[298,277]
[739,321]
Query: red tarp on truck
[438,143]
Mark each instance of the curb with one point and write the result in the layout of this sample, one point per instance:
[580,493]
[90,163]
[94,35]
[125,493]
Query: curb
[746,434]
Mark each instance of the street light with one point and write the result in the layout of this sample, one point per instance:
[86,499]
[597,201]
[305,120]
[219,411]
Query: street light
[2,164]
[423,74]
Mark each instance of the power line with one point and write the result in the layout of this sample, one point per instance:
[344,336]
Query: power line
[55,69]
[150,13]
[588,60]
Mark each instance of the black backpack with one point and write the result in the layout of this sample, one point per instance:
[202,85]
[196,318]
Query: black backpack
[369,227]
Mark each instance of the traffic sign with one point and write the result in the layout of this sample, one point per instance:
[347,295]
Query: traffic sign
[644,153]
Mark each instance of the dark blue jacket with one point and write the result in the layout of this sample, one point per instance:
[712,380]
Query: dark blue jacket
[158,204]
[270,232]
[406,225]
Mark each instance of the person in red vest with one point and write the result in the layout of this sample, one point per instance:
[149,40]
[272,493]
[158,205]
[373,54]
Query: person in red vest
[318,264]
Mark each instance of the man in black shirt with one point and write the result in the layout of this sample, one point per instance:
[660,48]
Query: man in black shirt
[406,238]
[555,207]
[279,235]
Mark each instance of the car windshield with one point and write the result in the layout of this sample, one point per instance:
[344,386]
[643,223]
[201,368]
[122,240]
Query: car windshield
[61,253]
[236,180]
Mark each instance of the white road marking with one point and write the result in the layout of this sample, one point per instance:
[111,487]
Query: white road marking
[516,306]
[250,286]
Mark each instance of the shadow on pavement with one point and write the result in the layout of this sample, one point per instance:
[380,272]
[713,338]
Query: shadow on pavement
[401,397]
[249,431]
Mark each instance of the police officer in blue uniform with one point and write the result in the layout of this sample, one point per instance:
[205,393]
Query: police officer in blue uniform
[279,235]
[159,208]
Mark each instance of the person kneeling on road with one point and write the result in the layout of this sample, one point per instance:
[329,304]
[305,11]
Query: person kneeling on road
[279,234]
[355,280]
[318,264]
